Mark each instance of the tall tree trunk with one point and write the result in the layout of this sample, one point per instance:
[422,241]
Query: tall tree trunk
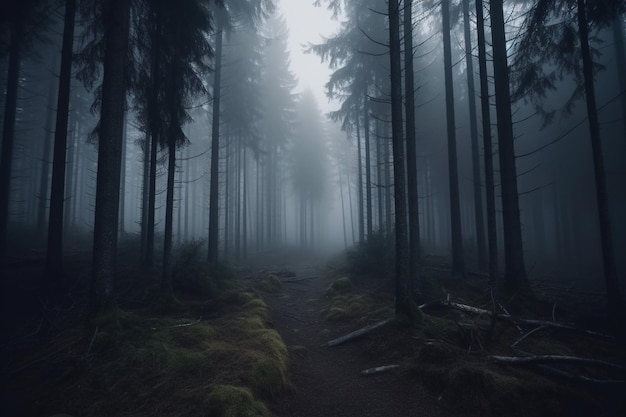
[379,176]
[343,210]
[458,264]
[109,156]
[153,116]
[151,200]
[44,177]
[402,249]
[54,253]
[244,206]
[8,129]
[166,273]
[411,152]
[360,181]
[145,192]
[515,271]
[620,57]
[368,165]
[492,237]
[215,148]
[471,93]
[122,207]
[608,256]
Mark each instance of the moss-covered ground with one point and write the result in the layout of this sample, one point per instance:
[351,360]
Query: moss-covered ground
[214,354]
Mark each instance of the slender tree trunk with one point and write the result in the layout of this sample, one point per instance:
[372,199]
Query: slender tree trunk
[145,192]
[8,130]
[492,237]
[166,273]
[620,57]
[411,153]
[109,156]
[471,93]
[244,209]
[402,239]
[361,219]
[151,201]
[515,273]
[458,264]
[351,208]
[122,207]
[608,255]
[44,178]
[54,253]
[343,210]
[215,147]
[368,165]
[379,176]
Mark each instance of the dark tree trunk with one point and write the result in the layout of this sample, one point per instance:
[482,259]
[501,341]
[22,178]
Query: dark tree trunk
[244,206]
[166,273]
[458,264]
[109,156]
[492,237]
[343,210]
[411,153]
[620,57]
[515,271]
[608,256]
[54,253]
[471,93]
[44,177]
[151,200]
[368,165]
[145,192]
[215,148]
[8,130]
[402,249]
[360,182]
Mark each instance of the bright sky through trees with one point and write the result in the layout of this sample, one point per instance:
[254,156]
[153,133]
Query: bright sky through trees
[309,24]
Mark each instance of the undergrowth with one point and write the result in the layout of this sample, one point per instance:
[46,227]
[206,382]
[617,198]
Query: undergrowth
[140,365]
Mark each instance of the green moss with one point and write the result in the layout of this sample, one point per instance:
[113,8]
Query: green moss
[270,283]
[339,286]
[336,314]
[232,401]
[269,377]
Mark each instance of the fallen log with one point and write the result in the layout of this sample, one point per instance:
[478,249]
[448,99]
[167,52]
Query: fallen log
[356,334]
[542,359]
[378,369]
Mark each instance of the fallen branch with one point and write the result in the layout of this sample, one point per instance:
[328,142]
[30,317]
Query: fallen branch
[582,378]
[356,334]
[379,369]
[516,321]
[540,359]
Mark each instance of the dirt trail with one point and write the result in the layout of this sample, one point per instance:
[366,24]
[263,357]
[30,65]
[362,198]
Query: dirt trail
[327,380]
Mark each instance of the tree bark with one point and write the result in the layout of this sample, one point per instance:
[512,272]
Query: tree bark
[360,181]
[515,270]
[402,294]
[471,93]
[166,273]
[8,130]
[608,256]
[109,156]
[368,165]
[458,264]
[54,253]
[492,233]
[215,146]
[411,152]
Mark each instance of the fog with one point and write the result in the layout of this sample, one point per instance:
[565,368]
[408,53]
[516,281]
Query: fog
[294,165]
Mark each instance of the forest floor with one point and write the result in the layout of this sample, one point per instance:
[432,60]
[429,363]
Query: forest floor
[259,348]
[445,364]
[328,381]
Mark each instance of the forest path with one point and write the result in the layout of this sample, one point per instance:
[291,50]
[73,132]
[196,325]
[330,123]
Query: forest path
[328,381]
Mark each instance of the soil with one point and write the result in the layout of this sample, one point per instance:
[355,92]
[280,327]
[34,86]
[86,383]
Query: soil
[328,381]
